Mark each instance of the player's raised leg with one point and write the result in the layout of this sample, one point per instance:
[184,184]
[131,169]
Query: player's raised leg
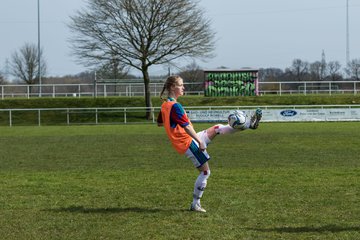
[236,121]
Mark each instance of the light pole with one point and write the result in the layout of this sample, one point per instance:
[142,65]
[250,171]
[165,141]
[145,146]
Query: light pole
[39,51]
[347,33]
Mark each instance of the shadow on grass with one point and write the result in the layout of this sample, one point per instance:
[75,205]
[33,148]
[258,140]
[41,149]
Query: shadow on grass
[327,228]
[81,209]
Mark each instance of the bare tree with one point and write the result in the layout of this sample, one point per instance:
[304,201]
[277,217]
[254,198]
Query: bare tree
[112,70]
[353,69]
[299,69]
[2,79]
[140,33]
[316,71]
[25,66]
[334,67]
[192,73]
[270,74]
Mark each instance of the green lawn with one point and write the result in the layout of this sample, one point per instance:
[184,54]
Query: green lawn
[282,181]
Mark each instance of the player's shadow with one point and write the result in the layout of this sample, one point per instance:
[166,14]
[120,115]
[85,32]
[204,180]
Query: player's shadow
[321,229]
[81,209]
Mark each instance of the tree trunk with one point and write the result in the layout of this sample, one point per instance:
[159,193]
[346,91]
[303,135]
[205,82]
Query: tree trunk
[147,92]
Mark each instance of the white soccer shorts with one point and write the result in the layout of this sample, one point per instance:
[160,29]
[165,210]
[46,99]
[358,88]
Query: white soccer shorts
[198,157]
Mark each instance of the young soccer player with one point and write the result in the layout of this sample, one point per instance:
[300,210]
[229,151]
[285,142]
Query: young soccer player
[184,138]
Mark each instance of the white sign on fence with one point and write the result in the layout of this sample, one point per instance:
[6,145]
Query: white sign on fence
[208,115]
[282,115]
[303,115]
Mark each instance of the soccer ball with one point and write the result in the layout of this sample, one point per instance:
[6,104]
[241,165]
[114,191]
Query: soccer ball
[237,120]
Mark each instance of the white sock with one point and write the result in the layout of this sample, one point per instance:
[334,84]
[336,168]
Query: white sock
[224,129]
[200,185]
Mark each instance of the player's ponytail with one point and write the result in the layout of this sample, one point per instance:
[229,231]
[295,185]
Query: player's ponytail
[170,81]
[162,92]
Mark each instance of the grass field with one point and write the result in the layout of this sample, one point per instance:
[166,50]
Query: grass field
[282,181]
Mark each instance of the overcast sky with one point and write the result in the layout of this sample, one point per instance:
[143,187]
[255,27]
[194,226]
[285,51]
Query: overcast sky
[251,33]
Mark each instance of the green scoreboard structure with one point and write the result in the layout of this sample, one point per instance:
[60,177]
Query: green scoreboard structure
[227,82]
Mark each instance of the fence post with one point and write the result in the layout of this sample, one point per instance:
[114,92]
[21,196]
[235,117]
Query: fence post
[10,118]
[96,116]
[355,88]
[2,92]
[125,115]
[39,117]
[153,114]
[67,117]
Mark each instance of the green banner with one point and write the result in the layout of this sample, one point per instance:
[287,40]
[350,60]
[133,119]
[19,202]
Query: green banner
[231,83]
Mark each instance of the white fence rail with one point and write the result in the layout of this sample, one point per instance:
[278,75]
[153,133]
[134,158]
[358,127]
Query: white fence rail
[197,88]
[88,90]
[97,116]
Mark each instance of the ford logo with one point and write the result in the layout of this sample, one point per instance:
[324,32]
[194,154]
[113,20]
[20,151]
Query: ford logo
[288,113]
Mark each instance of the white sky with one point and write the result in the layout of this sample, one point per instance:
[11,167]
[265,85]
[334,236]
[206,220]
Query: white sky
[251,33]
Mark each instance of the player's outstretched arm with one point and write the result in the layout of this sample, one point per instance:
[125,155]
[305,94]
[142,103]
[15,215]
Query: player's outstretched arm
[190,130]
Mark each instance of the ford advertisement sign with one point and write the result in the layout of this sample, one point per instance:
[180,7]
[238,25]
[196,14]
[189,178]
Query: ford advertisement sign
[288,113]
